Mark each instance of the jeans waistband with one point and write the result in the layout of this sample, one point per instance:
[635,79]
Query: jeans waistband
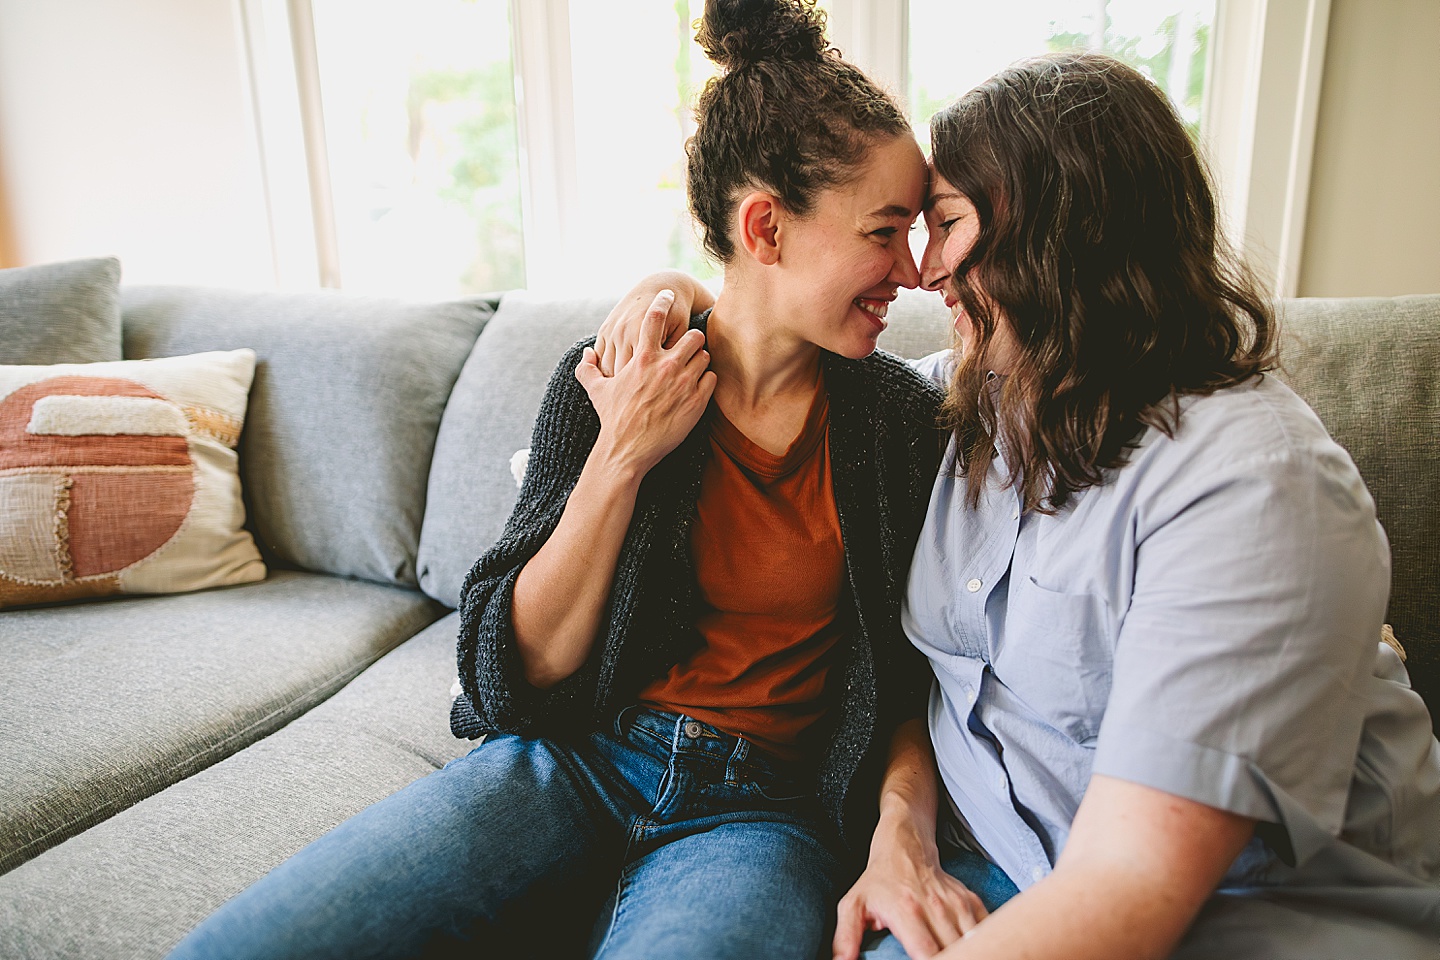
[687,735]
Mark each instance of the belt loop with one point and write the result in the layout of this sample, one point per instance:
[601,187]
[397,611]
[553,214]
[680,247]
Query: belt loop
[737,757]
[675,737]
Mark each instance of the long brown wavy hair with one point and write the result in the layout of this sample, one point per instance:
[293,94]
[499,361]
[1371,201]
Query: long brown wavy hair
[1099,248]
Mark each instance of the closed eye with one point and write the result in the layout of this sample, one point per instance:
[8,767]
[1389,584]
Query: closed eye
[884,232]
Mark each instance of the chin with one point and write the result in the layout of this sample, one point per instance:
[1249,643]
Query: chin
[858,349]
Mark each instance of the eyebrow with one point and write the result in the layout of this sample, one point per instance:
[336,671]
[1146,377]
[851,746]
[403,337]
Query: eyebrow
[934,198]
[893,210]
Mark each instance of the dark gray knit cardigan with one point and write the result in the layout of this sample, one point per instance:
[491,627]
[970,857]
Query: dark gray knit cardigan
[884,450]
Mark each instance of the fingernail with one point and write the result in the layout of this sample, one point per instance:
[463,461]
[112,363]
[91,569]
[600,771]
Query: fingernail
[670,294]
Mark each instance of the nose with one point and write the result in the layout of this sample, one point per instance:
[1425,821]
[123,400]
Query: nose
[904,271]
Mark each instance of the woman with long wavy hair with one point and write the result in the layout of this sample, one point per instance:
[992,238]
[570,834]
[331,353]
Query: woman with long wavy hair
[1150,585]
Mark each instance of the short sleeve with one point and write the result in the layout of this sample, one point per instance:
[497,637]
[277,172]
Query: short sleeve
[936,367]
[1260,584]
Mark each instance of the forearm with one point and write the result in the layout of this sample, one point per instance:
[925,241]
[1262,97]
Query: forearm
[904,838]
[909,796]
[561,593]
[1098,916]
[1137,868]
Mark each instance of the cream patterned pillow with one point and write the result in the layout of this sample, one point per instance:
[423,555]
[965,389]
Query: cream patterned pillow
[121,477]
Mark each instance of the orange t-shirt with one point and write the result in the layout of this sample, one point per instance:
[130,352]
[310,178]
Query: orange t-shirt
[770,566]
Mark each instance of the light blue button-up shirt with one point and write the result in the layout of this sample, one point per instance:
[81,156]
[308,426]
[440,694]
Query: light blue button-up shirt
[1205,623]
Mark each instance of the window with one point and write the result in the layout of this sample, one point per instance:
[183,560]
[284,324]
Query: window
[433,147]
[956,44]
[641,71]
[420,135]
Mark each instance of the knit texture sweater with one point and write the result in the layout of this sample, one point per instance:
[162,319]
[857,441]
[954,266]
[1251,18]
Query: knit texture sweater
[885,449]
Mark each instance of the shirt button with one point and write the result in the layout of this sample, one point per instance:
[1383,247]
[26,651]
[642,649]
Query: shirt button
[1015,514]
[1002,784]
[1037,874]
[970,694]
[973,585]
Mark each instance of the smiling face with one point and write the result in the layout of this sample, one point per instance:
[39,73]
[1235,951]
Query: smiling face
[953,225]
[841,266]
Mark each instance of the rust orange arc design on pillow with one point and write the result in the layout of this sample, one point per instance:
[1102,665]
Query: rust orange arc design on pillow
[119,497]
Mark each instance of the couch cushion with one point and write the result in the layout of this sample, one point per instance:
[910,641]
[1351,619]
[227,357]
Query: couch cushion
[122,478]
[105,704]
[61,312]
[491,412]
[347,397]
[1368,368]
[134,885]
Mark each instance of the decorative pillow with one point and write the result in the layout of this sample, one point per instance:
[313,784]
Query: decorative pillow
[61,312]
[122,477]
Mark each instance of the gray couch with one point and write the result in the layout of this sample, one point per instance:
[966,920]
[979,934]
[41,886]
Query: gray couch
[158,754]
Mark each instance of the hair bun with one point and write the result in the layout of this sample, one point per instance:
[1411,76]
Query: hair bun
[734,33]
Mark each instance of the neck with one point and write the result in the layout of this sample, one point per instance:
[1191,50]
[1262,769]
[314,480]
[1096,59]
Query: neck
[755,356]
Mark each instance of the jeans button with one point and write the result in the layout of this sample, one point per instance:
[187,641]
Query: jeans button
[692,729]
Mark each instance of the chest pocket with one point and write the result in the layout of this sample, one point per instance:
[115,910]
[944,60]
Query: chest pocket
[1056,655]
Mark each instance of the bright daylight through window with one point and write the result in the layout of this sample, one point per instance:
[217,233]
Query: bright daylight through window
[426,161]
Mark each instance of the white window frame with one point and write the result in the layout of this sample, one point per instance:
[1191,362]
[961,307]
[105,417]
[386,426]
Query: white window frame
[1267,59]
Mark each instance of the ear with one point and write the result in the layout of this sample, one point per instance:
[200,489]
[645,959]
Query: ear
[759,222]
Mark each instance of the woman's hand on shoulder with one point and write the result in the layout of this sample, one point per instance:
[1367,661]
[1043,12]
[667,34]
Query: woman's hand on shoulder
[654,399]
[620,333]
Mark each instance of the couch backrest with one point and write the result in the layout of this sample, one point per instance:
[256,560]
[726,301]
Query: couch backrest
[343,413]
[489,418]
[1370,367]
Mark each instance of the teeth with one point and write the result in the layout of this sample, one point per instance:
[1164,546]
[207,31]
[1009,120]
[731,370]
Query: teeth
[878,307]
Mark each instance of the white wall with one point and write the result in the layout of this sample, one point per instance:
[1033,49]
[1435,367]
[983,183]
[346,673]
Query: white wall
[1374,218]
[125,130]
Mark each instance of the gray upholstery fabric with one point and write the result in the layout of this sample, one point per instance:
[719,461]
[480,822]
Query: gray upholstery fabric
[918,325]
[61,312]
[347,397]
[107,703]
[489,417]
[1369,368]
[134,885]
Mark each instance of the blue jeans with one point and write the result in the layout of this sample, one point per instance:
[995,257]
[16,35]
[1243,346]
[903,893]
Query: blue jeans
[985,880]
[685,842]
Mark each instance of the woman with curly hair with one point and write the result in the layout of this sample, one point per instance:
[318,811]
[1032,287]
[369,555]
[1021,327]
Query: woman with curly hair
[685,650]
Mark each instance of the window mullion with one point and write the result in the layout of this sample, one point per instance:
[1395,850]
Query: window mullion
[1259,126]
[875,36]
[545,112]
[279,137]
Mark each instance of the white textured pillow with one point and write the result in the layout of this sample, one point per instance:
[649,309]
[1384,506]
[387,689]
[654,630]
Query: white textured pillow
[121,477]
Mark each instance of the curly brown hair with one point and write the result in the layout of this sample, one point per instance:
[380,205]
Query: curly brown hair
[786,115]
[1099,248]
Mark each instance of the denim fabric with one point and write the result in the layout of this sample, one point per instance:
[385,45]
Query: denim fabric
[985,880]
[704,846]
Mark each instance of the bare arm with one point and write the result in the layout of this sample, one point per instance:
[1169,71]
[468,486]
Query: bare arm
[645,410]
[1138,866]
[903,888]
[616,340]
